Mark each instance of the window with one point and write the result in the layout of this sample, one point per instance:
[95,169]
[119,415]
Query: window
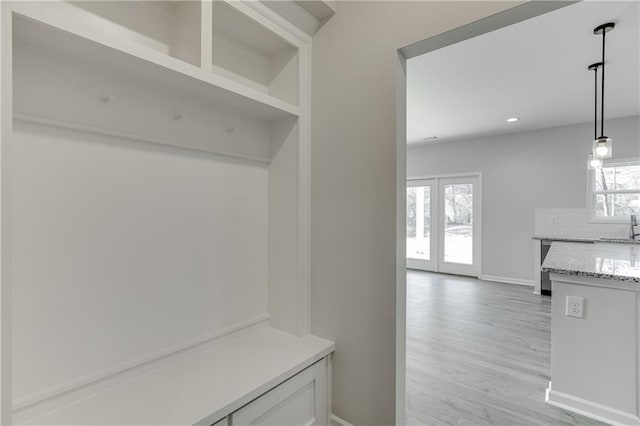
[615,190]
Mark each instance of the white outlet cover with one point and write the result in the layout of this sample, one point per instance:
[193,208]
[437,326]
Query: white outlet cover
[575,306]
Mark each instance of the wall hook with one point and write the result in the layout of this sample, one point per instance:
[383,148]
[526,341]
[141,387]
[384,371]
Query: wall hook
[232,130]
[107,99]
[179,117]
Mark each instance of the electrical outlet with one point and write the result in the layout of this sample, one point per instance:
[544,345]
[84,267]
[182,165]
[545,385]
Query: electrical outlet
[575,306]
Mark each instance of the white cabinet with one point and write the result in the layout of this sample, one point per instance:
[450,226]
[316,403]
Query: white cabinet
[301,400]
[180,130]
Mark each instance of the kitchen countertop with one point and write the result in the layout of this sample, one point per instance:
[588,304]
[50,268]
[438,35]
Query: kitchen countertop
[587,240]
[607,261]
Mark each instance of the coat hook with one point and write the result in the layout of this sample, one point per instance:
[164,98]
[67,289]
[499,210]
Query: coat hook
[232,130]
[179,117]
[107,99]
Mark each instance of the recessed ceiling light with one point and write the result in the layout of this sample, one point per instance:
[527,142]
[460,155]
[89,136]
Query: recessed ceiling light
[512,119]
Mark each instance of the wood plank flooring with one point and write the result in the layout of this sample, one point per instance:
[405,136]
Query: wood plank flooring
[478,353]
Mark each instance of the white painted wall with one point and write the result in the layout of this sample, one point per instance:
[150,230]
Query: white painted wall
[353,190]
[521,173]
[121,249]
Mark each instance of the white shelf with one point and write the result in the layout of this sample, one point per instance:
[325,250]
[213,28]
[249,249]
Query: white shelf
[171,27]
[46,29]
[247,51]
[196,388]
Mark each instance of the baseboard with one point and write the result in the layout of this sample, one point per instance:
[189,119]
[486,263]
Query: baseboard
[116,371]
[590,409]
[507,280]
[337,421]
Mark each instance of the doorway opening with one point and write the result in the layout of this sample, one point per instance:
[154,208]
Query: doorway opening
[443,235]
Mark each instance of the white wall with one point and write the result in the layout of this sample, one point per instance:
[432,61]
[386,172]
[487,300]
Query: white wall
[121,249]
[353,190]
[521,172]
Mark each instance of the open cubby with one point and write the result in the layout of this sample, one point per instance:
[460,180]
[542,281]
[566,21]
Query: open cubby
[171,27]
[246,51]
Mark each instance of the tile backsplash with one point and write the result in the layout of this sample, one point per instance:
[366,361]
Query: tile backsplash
[575,223]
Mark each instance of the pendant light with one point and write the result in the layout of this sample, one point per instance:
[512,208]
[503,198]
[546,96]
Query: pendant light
[602,145]
[595,162]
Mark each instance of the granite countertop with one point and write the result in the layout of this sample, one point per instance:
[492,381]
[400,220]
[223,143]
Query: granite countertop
[608,261]
[587,240]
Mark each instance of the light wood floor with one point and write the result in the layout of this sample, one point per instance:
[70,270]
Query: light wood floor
[478,353]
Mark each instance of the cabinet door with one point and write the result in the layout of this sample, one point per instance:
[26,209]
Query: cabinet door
[301,400]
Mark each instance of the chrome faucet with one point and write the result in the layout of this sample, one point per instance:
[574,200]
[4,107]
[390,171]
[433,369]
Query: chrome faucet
[632,231]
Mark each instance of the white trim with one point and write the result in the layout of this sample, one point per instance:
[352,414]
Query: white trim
[303,269]
[114,371]
[507,280]
[337,421]
[400,71]
[589,409]
[479,217]
[300,21]
[6,130]
[285,20]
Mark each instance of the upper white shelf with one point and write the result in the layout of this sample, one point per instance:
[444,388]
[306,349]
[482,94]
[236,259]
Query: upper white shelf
[152,53]
[171,27]
[249,52]
[199,387]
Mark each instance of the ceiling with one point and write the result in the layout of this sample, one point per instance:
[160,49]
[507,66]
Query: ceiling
[535,70]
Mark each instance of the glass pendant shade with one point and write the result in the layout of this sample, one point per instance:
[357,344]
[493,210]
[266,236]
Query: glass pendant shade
[594,163]
[602,147]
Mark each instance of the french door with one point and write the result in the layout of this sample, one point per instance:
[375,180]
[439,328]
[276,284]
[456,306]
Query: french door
[421,241]
[443,223]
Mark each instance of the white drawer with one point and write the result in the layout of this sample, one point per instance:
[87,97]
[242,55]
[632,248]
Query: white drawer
[301,400]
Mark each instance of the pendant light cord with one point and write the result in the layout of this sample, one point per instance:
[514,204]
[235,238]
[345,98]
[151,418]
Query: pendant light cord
[602,89]
[595,104]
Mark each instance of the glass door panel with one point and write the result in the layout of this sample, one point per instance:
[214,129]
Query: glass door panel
[420,211]
[458,246]
[418,222]
[458,223]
